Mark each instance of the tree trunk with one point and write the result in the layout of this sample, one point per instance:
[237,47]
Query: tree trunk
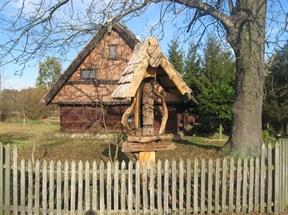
[249,50]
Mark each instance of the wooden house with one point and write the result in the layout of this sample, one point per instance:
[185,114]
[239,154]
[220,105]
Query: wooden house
[83,92]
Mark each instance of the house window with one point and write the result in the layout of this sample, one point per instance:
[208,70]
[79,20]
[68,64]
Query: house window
[112,52]
[88,74]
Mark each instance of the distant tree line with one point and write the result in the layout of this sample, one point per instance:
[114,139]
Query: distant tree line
[26,103]
[211,76]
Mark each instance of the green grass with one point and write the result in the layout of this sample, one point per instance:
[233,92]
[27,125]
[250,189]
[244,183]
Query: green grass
[20,134]
[41,136]
[212,141]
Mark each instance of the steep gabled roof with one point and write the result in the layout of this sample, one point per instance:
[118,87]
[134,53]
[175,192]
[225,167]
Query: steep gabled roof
[146,56]
[122,30]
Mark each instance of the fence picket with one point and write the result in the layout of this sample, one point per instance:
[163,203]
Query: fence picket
[195,187]
[94,187]
[256,187]
[123,187]
[181,185]
[130,187]
[251,185]
[174,184]
[269,188]
[80,188]
[282,172]
[7,179]
[188,187]
[159,187]
[210,184]
[58,188]
[73,188]
[231,185]
[166,186]
[1,179]
[217,184]
[108,188]
[224,185]
[277,179]
[44,187]
[101,170]
[87,186]
[66,186]
[152,187]
[238,185]
[116,186]
[37,187]
[15,181]
[286,171]
[22,193]
[244,191]
[51,188]
[144,188]
[30,187]
[262,179]
[137,188]
[202,186]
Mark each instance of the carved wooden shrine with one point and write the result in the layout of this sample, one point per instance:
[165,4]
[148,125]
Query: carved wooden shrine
[148,77]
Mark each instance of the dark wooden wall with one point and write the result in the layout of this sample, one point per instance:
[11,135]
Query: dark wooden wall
[90,118]
[87,118]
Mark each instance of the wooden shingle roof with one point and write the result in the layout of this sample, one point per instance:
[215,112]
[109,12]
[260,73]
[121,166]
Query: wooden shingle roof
[148,54]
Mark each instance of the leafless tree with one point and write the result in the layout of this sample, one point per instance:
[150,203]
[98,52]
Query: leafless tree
[38,26]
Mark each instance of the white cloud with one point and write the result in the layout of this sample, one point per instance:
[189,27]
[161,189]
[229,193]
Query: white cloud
[14,83]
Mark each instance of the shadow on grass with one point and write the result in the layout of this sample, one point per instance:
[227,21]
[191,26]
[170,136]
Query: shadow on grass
[121,156]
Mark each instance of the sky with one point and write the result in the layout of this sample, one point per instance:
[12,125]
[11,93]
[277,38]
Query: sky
[140,26]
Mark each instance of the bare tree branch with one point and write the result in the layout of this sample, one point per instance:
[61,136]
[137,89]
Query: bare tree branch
[227,21]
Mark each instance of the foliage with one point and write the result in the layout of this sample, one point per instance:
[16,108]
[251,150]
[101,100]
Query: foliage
[215,102]
[211,80]
[275,106]
[192,68]
[175,56]
[268,137]
[216,89]
[24,104]
[49,72]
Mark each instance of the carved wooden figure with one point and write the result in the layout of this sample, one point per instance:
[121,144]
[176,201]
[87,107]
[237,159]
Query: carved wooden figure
[146,78]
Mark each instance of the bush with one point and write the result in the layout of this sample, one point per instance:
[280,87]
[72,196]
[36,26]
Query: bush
[268,137]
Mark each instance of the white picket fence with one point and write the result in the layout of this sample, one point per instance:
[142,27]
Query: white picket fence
[192,187]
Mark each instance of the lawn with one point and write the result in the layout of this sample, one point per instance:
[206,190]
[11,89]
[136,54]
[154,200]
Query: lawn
[44,141]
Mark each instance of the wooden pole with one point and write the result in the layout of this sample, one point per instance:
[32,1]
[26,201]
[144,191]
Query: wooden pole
[137,111]
[147,118]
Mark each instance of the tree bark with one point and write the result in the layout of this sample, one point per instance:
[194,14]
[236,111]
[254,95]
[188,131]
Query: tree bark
[249,51]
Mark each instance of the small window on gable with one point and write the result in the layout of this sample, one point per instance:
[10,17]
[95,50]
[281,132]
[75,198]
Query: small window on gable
[88,74]
[112,52]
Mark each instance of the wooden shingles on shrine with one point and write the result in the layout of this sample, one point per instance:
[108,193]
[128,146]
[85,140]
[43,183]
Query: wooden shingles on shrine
[147,79]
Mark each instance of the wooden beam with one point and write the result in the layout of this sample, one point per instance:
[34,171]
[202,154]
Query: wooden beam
[146,149]
[125,116]
[159,91]
[137,110]
[148,139]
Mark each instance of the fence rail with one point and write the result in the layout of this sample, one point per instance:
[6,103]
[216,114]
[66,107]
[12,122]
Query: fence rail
[186,187]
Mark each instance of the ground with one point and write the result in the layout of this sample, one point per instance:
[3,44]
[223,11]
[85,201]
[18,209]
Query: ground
[42,140]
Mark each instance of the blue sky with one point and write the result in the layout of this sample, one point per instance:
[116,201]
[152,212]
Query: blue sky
[140,26]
